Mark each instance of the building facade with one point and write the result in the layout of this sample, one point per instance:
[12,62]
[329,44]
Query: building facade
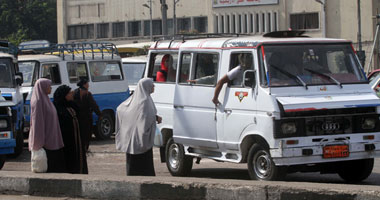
[127,21]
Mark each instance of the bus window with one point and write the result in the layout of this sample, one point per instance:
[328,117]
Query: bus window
[51,71]
[76,71]
[105,71]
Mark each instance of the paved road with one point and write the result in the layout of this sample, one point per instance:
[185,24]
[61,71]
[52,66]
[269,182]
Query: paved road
[104,159]
[28,197]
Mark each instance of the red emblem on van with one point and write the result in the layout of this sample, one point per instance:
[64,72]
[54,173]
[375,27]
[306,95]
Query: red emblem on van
[241,95]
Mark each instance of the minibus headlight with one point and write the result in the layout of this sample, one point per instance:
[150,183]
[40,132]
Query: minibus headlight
[288,128]
[3,123]
[368,123]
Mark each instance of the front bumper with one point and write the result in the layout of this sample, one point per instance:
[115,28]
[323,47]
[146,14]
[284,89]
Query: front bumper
[307,152]
[7,146]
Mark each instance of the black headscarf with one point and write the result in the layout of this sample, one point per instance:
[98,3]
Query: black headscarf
[60,94]
[82,82]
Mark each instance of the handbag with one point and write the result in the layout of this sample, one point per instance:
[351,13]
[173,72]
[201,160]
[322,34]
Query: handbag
[158,138]
[39,161]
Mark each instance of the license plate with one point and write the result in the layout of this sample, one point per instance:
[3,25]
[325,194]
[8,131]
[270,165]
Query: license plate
[336,151]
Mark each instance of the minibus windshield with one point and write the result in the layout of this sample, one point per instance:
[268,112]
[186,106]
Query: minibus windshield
[6,80]
[134,72]
[27,69]
[311,64]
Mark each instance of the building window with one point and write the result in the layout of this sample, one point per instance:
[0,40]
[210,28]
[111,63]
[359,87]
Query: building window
[228,23]
[134,28]
[263,22]
[240,30]
[233,24]
[118,29]
[216,26]
[200,24]
[81,32]
[245,23]
[157,27]
[222,24]
[102,30]
[269,23]
[170,26]
[252,23]
[257,23]
[275,21]
[304,21]
[184,25]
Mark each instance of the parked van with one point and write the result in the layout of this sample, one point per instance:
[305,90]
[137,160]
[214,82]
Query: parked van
[303,104]
[134,68]
[98,62]
[11,103]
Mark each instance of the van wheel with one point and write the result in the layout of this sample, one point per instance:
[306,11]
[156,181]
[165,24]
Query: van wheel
[354,171]
[2,160]
[177,162]
[261,166]
[105,127]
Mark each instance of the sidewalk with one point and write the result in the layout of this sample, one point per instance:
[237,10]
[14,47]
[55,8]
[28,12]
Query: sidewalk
[106,187]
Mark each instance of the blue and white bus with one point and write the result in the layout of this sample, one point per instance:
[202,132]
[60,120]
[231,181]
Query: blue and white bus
[66,64]
[11,103]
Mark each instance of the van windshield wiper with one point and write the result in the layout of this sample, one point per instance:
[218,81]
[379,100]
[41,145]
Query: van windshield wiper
[325,75]
[292,76]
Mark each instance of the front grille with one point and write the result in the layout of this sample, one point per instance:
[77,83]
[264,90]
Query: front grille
[324,124]
[328,125]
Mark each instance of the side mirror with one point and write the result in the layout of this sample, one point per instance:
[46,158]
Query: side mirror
[249,78]
[19,78]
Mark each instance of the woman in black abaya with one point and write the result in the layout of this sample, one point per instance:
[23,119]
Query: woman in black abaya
[74,149]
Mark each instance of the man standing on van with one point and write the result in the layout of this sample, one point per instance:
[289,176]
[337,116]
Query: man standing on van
[235,75]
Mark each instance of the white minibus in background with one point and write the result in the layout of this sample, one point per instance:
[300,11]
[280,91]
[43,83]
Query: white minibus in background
[99,62]
[134,68]
[302,105]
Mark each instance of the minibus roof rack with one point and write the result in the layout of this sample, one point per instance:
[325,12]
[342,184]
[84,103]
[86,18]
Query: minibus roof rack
[35,47]
[86,49]
[7,47]
[285,34]
[185,37]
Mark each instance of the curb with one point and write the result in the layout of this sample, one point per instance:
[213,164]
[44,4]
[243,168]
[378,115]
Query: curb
[100,187]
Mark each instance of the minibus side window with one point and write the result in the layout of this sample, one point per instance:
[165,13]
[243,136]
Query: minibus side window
[76,71]
[164,68]
[51,71]
[184,68]
[205,69]
[243,60]
[105,71]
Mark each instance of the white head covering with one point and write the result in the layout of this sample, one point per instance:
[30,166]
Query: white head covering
[136,120]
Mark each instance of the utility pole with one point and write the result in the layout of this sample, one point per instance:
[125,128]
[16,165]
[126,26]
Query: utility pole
[164,9]
[360,53]
[151,21]
[174,17]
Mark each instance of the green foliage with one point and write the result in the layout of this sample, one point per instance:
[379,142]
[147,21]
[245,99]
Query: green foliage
[23,20]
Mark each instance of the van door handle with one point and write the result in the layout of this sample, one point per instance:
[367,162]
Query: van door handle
[180,107]
[228,111]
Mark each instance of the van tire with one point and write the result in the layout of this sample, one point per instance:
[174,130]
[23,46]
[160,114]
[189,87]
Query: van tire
[2,160]
[261,166]
[354,171]
[177,162]
[105,127]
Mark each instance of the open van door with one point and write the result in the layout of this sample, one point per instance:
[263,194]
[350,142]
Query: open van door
[194,112]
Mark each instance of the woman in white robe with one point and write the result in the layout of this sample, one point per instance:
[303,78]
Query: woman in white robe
[135,129]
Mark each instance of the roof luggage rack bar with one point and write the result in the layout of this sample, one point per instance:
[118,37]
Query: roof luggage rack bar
[84,48]
[185,37]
